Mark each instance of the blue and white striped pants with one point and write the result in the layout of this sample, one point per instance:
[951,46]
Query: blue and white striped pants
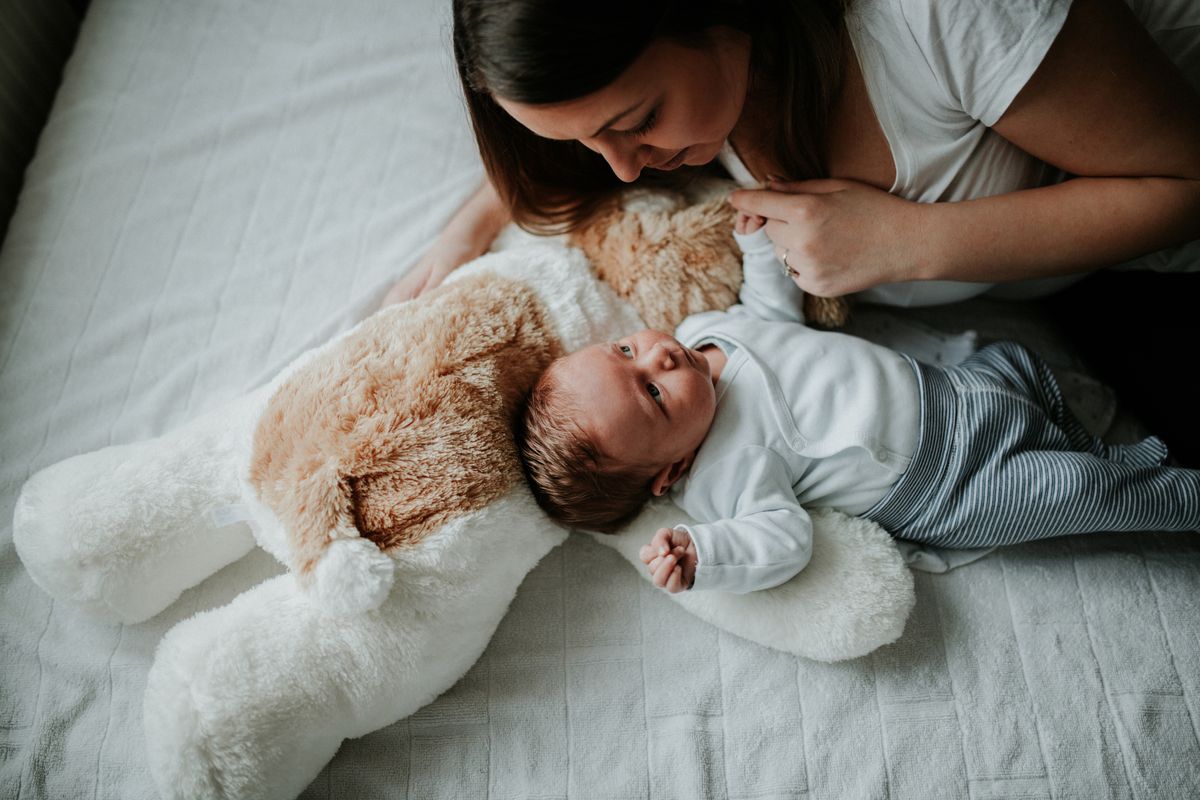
[1001,459]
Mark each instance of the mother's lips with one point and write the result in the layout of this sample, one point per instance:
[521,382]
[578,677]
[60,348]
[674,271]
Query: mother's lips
[673,162]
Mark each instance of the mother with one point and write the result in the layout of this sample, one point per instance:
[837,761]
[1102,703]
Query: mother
[1072,138]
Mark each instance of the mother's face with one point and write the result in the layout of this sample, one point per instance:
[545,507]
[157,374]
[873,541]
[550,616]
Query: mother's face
[674,105]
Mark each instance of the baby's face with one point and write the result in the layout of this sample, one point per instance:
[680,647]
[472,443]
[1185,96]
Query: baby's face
[646,400]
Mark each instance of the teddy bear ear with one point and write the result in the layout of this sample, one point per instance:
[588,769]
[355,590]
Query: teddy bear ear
[352,576]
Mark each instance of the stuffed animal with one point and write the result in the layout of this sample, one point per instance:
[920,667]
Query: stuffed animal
[380,470]
[669,253]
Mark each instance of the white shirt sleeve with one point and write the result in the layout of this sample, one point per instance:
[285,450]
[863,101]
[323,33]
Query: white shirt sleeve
[767,291]
[757,534]
[983,52]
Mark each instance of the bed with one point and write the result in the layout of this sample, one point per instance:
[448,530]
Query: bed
[222,185]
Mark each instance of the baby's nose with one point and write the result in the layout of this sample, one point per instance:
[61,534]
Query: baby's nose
[667,357]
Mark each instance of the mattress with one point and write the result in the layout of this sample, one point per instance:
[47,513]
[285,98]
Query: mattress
[224,184]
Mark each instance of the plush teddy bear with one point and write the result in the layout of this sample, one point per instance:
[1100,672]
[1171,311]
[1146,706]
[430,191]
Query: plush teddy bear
[380,469]
[670,253]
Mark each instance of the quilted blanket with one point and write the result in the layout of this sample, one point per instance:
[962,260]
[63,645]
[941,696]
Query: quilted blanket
[224,184]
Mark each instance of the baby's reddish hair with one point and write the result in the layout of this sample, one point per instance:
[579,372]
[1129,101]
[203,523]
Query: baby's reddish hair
[571,478]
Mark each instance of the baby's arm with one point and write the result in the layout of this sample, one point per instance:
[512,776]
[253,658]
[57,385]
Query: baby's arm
[753,534]
[767,290]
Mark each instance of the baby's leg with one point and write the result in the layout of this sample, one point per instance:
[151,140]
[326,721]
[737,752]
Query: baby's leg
[1022,370]
[1040,494]
[1005,471]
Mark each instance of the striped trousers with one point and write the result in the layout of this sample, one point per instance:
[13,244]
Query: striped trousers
[1001,459]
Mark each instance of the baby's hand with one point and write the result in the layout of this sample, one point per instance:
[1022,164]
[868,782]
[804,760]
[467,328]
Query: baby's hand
[671,560]
[748,223]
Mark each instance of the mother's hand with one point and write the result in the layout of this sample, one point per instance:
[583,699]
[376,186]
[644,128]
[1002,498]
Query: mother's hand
[839,236]
[438,262]
[468,235]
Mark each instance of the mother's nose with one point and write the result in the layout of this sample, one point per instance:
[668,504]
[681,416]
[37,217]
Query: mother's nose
[626,160]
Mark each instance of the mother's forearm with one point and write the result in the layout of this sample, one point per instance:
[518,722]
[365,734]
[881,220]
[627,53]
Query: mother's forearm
[478,221]
[1075,226]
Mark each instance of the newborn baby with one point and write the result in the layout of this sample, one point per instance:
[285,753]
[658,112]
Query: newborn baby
[749,416]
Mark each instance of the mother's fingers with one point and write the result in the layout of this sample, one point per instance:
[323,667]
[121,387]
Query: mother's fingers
[764,203]
[814,186]
[780,197]
[781,237]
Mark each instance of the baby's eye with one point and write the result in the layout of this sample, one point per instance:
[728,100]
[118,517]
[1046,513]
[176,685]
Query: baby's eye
[625,350]
[654,392]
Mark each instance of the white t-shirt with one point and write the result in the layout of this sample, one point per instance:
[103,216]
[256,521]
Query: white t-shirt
[940,72]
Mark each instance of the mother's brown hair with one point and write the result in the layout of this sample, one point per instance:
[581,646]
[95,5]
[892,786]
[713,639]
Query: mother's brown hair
[547,51]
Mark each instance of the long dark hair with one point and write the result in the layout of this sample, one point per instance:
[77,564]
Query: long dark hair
[546,51]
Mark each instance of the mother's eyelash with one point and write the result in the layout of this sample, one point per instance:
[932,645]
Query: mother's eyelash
[647,124]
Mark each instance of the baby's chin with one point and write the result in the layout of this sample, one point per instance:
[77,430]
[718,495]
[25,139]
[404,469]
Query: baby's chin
[712,415]
[694,447]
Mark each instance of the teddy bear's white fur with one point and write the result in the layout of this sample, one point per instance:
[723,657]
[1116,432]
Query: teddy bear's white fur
[252,699]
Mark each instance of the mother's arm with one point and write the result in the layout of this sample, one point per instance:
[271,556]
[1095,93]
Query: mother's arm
[468,235]
[1105,105]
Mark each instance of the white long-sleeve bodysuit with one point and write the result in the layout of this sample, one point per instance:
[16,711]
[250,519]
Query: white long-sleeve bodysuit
[802,417]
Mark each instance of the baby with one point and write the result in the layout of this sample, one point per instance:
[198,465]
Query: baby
[749,416]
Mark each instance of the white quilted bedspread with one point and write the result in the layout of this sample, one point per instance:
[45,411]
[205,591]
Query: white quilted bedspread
[225,183]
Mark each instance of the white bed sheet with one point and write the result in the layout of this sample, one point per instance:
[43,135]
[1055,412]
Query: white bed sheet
[223,184]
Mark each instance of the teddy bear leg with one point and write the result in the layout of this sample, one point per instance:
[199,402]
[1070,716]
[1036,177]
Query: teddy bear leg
[250,700]
[121,532]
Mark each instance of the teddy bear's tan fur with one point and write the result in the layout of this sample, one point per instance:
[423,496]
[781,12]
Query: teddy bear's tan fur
[674,261]
[667,262]
[407,422]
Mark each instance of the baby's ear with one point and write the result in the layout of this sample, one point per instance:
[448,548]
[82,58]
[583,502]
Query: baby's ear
[668,475]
